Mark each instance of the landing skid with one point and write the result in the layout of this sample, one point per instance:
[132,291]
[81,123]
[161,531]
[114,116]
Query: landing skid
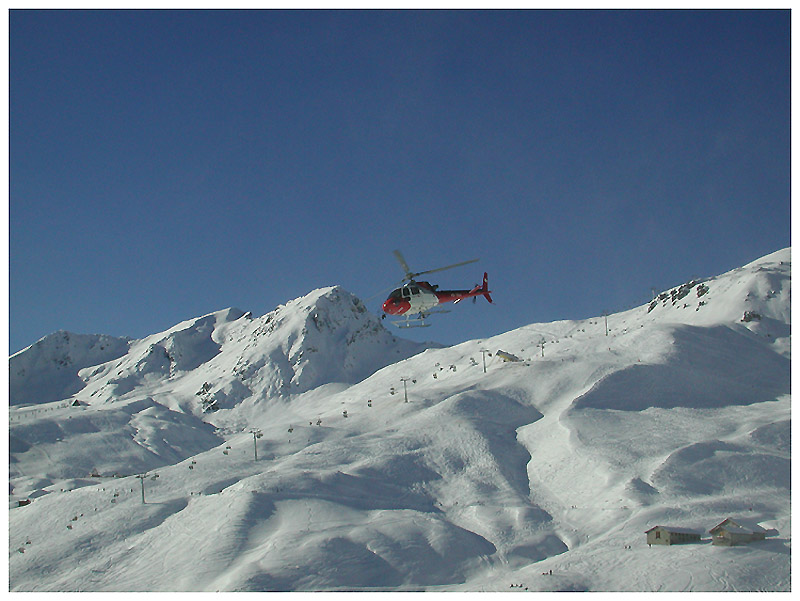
[416,322]
[410,323]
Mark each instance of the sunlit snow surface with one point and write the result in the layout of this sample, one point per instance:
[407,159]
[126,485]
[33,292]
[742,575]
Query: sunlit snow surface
[679,415]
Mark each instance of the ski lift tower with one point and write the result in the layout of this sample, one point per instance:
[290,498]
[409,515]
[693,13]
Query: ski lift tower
[483,352]
[141,479]
[256,435]
[405,388]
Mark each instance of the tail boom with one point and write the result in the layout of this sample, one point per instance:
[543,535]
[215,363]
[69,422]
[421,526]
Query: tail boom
[456,296]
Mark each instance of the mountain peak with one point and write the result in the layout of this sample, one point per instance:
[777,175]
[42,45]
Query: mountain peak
[217,360]
[757,295]
[48,369]
[326,336]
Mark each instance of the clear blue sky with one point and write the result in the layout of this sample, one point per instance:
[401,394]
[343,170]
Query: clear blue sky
[165,164]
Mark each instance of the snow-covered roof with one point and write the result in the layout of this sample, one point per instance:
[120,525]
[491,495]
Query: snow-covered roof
[740,525]
[675,529]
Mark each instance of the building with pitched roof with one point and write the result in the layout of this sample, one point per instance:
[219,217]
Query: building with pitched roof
[731,532]
[671,535]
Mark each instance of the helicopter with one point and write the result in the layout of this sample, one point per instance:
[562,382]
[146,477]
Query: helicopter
[423,298]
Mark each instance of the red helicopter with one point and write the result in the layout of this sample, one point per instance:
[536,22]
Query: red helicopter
[421,298]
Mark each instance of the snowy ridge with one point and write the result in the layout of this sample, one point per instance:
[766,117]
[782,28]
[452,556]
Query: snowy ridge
[677,413]
[218,360]
[758,294]
[48,370]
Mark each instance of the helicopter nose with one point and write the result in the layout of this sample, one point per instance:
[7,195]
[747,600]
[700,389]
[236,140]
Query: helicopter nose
[396,306]
[389,307]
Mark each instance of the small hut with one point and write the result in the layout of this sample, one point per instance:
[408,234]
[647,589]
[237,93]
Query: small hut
[732,532]
[671,535]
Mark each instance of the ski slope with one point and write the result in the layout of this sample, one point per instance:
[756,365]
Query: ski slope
[677,414]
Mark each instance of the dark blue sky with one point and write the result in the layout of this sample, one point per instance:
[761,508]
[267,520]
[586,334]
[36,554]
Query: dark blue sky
[168,164]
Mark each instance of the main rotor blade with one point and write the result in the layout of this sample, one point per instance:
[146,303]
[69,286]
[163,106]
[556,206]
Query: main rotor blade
[410,275]
[448,267]
[381,293]
[403,264]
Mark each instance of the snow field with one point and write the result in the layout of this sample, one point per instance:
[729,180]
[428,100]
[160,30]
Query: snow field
[481,481]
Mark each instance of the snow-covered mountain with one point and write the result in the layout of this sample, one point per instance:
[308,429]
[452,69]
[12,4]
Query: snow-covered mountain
[48,370]
[216,361]
[309,449]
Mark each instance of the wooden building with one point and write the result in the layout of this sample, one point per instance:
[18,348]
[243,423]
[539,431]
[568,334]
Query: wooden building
[671,535]
[736,532]
[506,357]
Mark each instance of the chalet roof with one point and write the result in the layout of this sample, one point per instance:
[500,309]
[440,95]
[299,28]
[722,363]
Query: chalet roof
[734,529]
[675,529]
[739,525]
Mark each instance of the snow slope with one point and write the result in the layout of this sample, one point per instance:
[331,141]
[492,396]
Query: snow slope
[48,370]
[678,415]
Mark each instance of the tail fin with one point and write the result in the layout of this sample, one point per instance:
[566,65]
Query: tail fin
[485,288]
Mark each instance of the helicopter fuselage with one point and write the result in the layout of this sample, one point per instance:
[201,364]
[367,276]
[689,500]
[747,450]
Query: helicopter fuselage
[420,297]
[413,297]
